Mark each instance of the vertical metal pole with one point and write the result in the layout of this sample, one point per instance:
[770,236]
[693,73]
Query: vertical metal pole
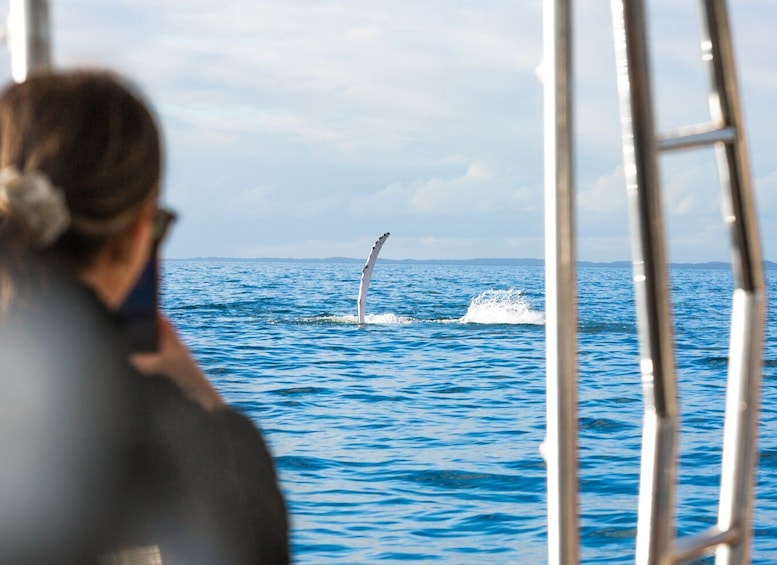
[560,287]
[749,301]
[655,527]
[29,38]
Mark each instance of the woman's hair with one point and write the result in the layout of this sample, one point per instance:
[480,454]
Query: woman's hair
[93,139]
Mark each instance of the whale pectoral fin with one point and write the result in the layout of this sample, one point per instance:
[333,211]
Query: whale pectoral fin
[364,283]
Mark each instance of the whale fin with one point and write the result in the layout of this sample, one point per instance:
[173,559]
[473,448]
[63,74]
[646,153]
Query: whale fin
[364,284]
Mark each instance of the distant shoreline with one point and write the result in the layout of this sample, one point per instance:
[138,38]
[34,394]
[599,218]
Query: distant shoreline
[768,265]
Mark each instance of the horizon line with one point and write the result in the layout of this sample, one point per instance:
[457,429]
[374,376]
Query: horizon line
[527,261]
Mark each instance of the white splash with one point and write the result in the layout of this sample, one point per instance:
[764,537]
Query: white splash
[386,319]
[502,307]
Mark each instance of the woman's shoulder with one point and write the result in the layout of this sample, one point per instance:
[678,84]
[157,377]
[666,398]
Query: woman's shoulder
[226,440]
[223,468]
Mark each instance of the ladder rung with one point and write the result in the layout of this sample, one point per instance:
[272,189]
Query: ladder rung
[695,136]
[693,546]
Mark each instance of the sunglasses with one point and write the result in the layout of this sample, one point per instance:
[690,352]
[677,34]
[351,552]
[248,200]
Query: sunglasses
[163,219]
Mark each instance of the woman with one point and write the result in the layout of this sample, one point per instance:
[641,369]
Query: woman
[105,452]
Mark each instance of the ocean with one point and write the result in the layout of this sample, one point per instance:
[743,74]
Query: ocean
[415,437]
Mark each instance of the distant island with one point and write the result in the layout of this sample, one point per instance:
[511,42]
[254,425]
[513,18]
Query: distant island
[768,265]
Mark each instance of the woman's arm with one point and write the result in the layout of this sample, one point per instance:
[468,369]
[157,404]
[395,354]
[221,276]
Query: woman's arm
[174,361]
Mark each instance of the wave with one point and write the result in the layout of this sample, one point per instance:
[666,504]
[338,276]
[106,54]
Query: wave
[489,307]
[386,319]
[502,307]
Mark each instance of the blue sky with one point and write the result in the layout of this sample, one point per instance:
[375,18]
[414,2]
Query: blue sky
[307,128]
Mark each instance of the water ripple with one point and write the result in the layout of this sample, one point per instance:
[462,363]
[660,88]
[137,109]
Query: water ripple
[415,437]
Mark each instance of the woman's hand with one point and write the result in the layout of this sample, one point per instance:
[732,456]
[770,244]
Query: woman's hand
[174,361]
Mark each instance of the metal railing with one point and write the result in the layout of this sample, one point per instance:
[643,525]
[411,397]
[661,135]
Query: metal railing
[560,447]
[656,544]
[28,37]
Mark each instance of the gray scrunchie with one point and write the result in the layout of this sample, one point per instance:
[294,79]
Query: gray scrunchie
[40,205]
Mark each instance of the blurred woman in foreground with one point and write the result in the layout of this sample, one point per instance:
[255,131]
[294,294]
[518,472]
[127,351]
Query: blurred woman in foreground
[104,451]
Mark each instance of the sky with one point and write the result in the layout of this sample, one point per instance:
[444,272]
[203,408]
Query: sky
[307,128]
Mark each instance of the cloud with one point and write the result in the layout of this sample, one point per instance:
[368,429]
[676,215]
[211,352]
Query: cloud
[602,218]
[479,191]
[331,118]
[693,224]
[766,193]
[691,186]
[605,196]
[766,201]
[259,201]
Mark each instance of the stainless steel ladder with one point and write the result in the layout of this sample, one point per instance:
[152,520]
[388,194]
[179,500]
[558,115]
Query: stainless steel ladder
[656,543]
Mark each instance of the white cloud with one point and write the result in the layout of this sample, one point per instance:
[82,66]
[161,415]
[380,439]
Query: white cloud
[479,191]
[691,186]
[606,196]
[766,193]
[766,200]
[340,116]
[258,201]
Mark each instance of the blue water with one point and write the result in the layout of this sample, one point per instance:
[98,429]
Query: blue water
[415,438]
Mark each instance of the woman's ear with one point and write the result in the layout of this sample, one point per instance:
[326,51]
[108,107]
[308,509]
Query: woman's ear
[132,246]
[120,263]
[139,237]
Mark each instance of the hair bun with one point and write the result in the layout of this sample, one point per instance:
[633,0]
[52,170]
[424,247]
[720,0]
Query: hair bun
[38,204]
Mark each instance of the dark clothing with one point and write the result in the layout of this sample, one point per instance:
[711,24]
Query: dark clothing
[95,457]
